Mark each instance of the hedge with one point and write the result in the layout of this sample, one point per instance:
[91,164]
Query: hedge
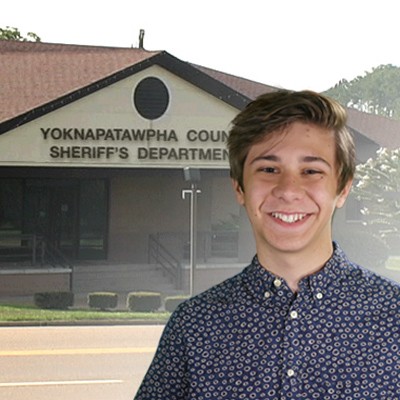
[172,302]
[103,300]
[143,301]
[54,300]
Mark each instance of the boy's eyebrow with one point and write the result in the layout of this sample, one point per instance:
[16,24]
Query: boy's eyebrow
[316,159]
[265,158]
[272,157]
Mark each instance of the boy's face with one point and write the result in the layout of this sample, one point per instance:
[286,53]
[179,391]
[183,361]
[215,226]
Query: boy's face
[290,190]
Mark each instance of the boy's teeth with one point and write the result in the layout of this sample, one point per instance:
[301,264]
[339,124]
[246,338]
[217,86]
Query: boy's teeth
[289,218]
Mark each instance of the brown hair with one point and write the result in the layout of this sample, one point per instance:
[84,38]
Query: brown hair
[272,112]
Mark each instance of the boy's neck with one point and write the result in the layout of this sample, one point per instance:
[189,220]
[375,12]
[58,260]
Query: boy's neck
[293,267]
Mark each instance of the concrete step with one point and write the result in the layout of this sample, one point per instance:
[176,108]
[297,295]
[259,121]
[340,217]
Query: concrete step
[120,278]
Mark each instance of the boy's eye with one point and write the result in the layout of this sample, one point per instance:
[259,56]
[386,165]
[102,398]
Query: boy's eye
[269,170]
[312,172]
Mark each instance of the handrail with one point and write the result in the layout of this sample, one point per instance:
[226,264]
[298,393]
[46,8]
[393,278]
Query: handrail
[39,250]
[212,244]
[32,242]
[169,264]
[55,257]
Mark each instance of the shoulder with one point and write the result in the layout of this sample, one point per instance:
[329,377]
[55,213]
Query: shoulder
[372,280]
[376,291]
[361,278]
[226,292]
[211,302]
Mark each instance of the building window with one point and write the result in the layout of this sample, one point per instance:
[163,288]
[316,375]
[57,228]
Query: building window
[93,214]
[67,215]
[10,215]
[151,98]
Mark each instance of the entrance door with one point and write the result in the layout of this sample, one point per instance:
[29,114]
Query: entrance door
[50,210]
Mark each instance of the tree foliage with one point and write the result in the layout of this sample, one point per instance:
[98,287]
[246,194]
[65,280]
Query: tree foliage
[377,92]
[9,33]
[378,189]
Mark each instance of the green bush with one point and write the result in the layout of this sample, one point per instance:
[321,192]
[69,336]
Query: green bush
[54,300]
[103,300]
[143,301]
[171,302]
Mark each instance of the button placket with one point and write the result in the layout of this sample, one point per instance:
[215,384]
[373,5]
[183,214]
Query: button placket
[293,353]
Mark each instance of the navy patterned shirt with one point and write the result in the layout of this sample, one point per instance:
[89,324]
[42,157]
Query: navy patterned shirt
[250,337]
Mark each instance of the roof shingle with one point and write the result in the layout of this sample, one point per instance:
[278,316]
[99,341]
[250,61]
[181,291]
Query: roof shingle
[34,74]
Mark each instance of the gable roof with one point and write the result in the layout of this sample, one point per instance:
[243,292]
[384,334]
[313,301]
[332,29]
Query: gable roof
[37,78]
[383,131]
[33,74]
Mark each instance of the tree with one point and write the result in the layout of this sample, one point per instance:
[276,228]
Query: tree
[377,92]
[9,33]
[378,188]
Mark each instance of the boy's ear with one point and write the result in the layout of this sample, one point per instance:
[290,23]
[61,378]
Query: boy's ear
[238,192]
[343,194]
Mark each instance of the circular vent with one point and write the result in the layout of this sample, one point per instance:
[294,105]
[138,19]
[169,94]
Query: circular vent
[151,98]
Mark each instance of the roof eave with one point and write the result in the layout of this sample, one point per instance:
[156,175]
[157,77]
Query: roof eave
[172,64]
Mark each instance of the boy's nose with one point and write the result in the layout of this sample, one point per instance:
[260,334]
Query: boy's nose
[288,188]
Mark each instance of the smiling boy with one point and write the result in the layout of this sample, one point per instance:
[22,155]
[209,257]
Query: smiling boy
[301,321]
[290,192]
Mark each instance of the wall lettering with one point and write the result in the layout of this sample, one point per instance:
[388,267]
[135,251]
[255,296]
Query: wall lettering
[206,136]
[182,154]
[110,134]
[135,145]
[86,152]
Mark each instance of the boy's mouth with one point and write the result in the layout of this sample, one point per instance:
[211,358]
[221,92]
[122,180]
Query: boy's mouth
[289,218]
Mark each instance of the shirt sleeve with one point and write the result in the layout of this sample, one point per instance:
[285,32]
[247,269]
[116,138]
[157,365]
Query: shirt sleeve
[166,376]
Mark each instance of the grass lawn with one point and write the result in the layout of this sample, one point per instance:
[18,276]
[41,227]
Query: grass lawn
[13,313]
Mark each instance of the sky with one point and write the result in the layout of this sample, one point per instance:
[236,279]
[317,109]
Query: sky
[293,44]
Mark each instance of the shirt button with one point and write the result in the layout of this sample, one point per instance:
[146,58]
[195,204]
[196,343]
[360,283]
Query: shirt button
[294,314]
[267,295]
[277,282]
[290,373]
[319,295]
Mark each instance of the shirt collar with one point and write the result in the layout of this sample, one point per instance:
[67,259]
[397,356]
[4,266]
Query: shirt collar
[259,280]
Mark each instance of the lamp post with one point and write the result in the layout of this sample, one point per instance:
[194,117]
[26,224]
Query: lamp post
[192,175]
